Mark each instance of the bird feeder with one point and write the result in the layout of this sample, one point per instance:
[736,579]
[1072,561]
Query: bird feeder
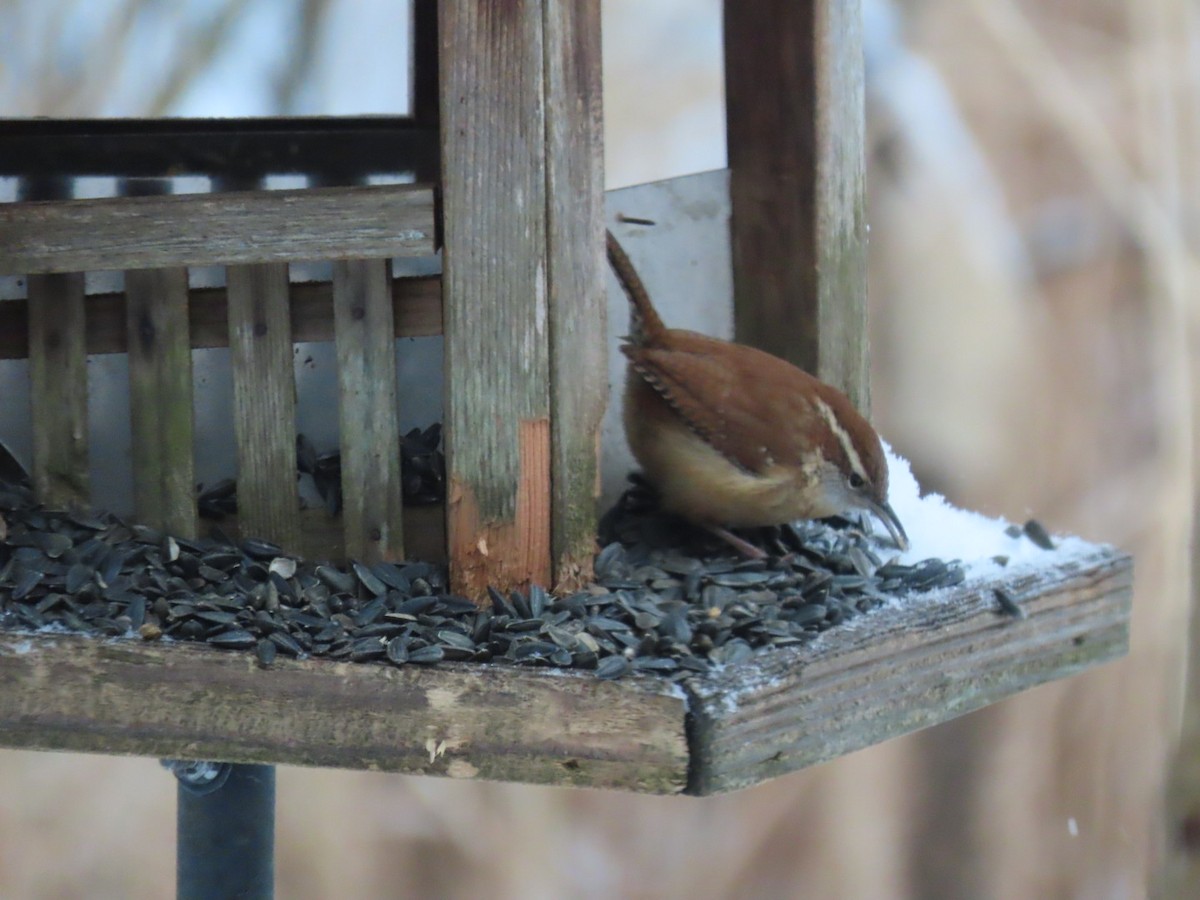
[503,156]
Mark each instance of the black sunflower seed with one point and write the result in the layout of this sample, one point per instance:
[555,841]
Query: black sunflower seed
[1036,532]
[427,655]
[235,639]
[1008,604]
[612,667]
[265,651]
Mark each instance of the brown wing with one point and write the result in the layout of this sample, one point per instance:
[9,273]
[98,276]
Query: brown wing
[746,404]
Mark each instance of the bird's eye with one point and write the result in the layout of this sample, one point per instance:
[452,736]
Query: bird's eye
[856,481]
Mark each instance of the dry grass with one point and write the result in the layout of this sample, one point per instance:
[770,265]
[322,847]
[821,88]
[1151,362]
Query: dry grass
[1034,279]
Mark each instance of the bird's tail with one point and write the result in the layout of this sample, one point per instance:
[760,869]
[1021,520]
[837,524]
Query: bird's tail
[644,324]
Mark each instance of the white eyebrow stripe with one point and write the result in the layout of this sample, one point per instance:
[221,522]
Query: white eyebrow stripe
[843,438]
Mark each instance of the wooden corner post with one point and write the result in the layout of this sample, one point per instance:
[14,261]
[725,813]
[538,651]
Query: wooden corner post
[523,292]
[578,302]
[795,120]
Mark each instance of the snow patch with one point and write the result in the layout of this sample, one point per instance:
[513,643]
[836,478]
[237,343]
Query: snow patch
[937,529]
[20,648]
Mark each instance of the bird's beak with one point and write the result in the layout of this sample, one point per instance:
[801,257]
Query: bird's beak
[888,517]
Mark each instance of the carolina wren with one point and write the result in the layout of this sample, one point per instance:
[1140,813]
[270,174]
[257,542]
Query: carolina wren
[735,437]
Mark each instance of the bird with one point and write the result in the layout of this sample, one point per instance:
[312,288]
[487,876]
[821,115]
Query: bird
[733,437]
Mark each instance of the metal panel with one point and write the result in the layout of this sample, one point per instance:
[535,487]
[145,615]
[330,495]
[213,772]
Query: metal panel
[684,260]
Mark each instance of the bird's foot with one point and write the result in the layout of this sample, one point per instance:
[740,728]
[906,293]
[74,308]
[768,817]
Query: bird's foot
[742,546]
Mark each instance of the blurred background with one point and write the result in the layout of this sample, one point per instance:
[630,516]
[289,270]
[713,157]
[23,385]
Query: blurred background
[1034,170]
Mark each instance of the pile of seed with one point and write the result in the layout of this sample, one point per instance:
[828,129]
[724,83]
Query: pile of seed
[662,602]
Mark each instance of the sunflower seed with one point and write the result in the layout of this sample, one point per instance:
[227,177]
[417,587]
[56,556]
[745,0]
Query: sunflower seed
[655,664]
[537,601]
[390,575]
[367,649]
[260,549]
[1008,604]
[733,652]
[265,651]
[612,667]
[455,639]
[25,582]
[335,580]
[235,639]
[1036,532]
[368,580]
[78,576]
[397,651]
[426,655]
[54,544]
[286,643]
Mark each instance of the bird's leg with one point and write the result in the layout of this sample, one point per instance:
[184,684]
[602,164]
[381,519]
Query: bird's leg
[744,547]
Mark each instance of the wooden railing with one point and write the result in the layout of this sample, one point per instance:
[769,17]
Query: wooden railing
[158,321]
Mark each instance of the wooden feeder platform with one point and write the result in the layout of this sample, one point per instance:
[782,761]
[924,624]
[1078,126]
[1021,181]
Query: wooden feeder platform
[907,665]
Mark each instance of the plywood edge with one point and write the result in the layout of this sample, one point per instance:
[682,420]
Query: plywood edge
[906,666]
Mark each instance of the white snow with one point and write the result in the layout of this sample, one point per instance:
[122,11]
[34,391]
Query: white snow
[20,648]
[940,530]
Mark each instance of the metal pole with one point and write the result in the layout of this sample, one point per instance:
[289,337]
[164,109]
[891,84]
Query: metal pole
[225,840]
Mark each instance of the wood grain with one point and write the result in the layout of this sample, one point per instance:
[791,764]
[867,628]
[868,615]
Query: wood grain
[477,722]
[416,311]
[578,304]
[511,552]
[798,222]
[264,401]
[495,291]
[372,511]
[59,387]
[160,399]
[903,668]
[216,229]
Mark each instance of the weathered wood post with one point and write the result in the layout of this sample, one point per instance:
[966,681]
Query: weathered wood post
[795,121]
[523,292]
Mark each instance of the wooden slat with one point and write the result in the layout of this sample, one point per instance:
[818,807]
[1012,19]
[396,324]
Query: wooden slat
[797,184]
[494,293]
[216,229]
[160,398]
[915,664]
[472,722]
[416,311]
[369,420]
[578,303]
[59,385]
[264,402]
